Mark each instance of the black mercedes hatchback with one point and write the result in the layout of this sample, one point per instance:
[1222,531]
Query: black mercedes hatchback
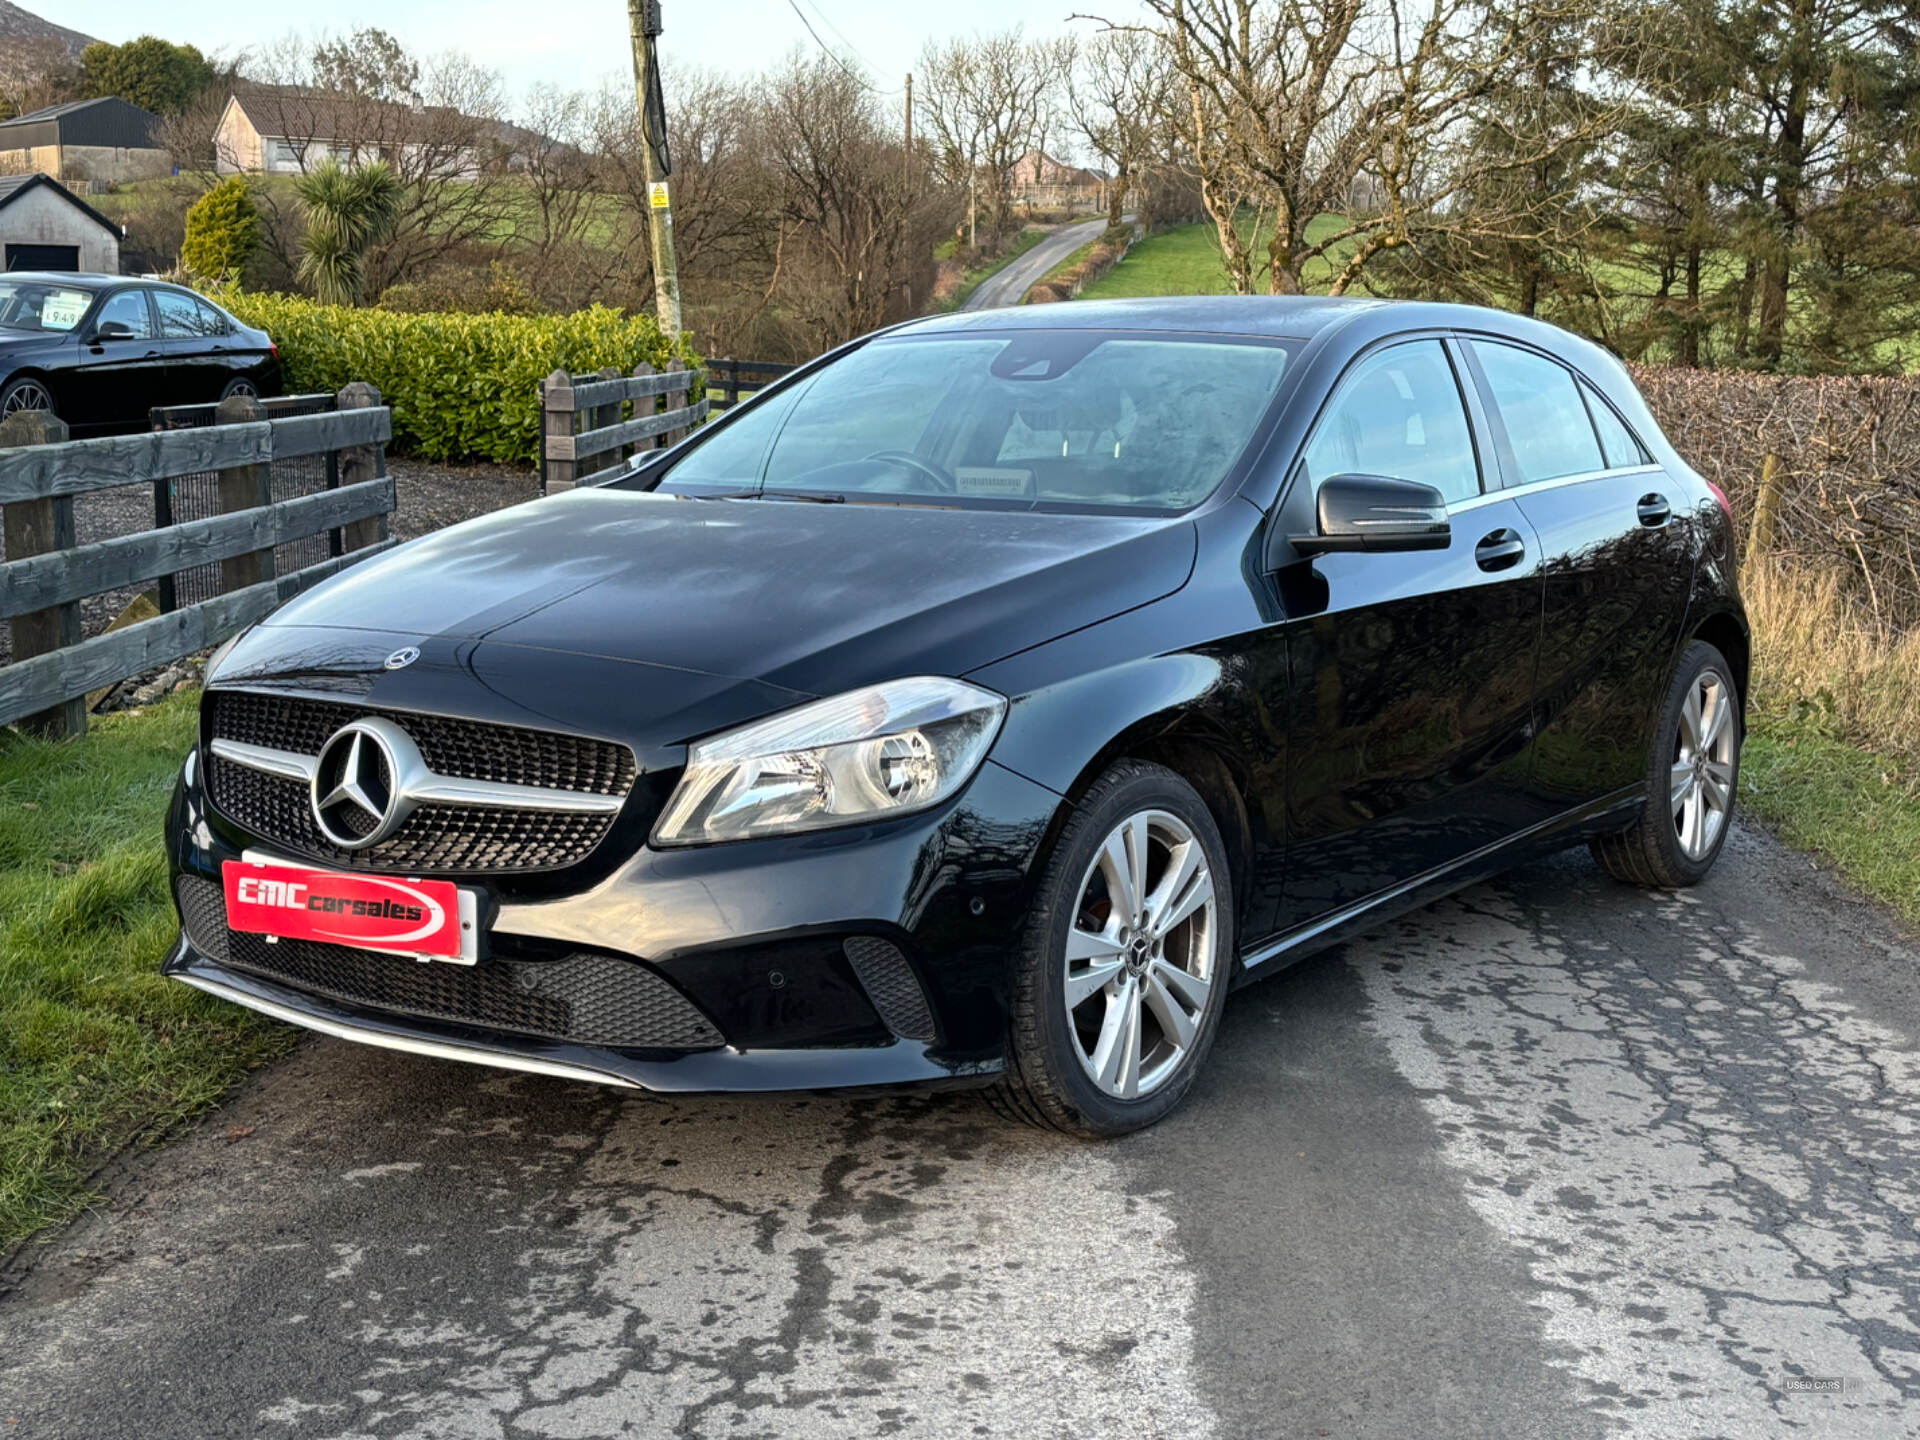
[978,705]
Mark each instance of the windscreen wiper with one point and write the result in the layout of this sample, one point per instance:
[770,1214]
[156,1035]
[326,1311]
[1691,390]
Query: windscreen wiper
[808,497]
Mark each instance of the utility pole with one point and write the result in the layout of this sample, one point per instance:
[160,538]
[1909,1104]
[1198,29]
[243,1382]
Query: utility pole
[909,145]
[643,23]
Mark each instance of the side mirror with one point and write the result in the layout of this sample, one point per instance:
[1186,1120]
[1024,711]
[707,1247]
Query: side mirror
[110,330]
[1377,513]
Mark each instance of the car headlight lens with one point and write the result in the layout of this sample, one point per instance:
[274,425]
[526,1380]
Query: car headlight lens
[867,755]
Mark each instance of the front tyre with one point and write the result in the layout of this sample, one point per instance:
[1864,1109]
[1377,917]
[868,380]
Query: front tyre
[26,393]
[1692,778]
[1123,968]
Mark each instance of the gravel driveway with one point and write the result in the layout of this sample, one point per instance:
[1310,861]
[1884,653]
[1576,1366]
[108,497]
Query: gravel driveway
[1555,1158]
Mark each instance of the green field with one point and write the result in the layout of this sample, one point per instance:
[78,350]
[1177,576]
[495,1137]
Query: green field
[1185,260]
[97,1050]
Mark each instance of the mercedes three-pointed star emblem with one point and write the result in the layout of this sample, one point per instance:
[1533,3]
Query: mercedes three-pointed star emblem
[361,782]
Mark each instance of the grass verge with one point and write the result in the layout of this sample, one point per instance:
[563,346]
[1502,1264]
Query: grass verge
[1832,760]
[96,1049]
[1849,804]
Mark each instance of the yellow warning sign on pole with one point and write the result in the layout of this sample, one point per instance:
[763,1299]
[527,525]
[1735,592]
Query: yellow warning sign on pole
[657,194]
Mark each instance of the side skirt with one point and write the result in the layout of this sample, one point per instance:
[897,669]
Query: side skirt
[1596,817]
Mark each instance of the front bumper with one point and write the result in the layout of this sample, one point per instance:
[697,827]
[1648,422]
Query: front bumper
[770,942]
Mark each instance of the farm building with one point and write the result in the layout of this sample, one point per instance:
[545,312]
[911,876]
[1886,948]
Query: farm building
[44,226]
[105,140]
[1040,180]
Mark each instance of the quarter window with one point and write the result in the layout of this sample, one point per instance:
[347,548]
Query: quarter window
[182,317]
[1546,420]
[1616,441]
[1399,414]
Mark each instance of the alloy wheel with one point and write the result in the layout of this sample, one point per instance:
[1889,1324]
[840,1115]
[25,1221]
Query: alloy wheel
[1701,783]
[26,395]
[1140,958]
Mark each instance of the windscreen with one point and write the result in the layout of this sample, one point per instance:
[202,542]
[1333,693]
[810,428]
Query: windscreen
[1072,418]
[28,305]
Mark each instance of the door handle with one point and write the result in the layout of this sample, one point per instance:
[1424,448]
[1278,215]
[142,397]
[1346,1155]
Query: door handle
[1654,510]
[1499,551]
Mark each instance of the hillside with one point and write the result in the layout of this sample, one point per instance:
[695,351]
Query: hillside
[17,26]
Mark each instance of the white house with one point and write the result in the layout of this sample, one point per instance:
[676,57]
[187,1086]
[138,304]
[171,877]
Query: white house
[289,129]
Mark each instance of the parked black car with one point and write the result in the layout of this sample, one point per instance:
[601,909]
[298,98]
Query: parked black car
[101,350]
[978,705]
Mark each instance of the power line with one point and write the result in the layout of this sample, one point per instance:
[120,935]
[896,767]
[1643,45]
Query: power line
[834,55]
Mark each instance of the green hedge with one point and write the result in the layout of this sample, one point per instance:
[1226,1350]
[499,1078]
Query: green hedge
[461,386]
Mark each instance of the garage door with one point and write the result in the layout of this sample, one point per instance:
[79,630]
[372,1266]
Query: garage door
[43,257]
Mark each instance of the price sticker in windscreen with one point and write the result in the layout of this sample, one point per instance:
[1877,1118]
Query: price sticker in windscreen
[62,309]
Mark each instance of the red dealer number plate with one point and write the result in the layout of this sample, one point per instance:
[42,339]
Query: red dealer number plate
[406,917]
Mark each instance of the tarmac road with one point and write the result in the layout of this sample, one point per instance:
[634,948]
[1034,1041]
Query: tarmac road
[1005,286]
[1556,1158]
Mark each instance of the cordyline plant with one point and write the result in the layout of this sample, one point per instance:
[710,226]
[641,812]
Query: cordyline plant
[347,212]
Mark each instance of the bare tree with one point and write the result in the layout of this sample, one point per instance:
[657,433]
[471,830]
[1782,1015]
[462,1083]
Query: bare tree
[725,228]
[988,101]
[1360,109]
[857,219]
[1117,95]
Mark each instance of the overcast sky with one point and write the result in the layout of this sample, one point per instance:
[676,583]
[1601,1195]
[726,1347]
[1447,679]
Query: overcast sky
[577,43]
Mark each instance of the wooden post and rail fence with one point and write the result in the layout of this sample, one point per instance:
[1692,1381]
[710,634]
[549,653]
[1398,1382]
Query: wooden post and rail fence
[585,427]
[46,573]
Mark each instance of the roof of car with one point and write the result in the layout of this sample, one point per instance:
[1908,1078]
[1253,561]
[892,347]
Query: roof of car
[1298,317]
[73,279]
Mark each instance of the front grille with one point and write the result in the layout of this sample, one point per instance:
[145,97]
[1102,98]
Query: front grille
[442,839]
[889,982]
[449,839]
[586,997]
[469,749]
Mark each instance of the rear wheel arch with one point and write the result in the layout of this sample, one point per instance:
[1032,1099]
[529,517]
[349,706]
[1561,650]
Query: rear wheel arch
[1724,631]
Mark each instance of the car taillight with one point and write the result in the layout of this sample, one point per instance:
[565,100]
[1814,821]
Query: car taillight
[1725,504]
[274,350]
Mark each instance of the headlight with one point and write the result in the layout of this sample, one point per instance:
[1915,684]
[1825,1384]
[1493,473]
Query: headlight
[867,755]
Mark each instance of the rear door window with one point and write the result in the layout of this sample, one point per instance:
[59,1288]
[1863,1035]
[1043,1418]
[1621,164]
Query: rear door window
[1399,414]
[1546,420]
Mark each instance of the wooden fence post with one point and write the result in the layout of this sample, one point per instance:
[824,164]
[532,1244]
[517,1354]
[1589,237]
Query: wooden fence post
[556,420]
[361,462]
[675,400]
[33,527]
[1766,509]
[730,369]
[243,487]
[603,415]
[644,405]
